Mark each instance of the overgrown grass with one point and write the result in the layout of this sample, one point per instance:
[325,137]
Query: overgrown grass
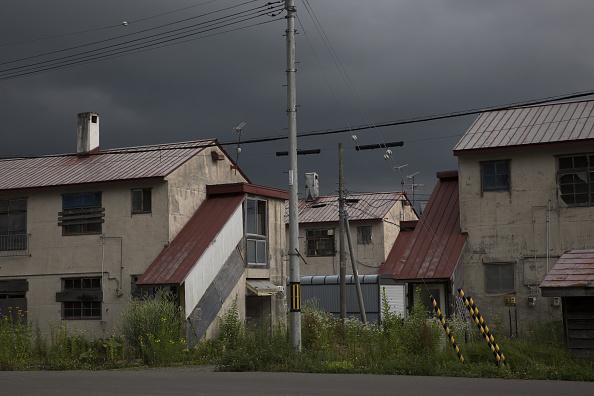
[151,334]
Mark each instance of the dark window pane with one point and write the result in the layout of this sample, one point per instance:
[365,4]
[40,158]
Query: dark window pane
[3,206]
[580,161]
[568,199]
[262,217]
[581,198]
[251,251]
[495,175]
[147,200]
[565,163]
[251,225]
[18,205]
[136,201]
[261,252]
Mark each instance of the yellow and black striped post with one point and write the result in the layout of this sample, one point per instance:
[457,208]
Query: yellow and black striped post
[447,330]
[480,322]
[295,297]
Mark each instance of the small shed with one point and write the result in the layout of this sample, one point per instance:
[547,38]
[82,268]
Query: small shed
[572,279]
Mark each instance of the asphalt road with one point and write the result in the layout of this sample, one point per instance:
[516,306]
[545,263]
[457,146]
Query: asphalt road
[196,381]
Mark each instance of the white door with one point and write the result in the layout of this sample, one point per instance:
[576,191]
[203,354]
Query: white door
[396,298]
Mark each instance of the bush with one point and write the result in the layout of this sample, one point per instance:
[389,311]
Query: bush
[152,329]
[15,342]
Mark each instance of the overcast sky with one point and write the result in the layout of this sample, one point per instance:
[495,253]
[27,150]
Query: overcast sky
[403,58]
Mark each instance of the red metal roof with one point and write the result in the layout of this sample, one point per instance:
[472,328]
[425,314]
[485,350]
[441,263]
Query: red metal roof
[432,249]
[573,269]
[102,166]
[175,261]
[246,188]
[550,123]
[361,206]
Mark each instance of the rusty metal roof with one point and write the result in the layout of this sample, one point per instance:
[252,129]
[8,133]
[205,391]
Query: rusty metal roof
[103,166]
[175,261]
[432,249]
[574,269]
[360,206]
[551,123]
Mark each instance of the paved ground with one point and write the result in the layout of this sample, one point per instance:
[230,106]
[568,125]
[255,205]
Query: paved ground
[196,381]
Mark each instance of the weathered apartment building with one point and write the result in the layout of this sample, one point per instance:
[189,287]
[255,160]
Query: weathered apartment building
[374,217]
[82,234]
[526,185]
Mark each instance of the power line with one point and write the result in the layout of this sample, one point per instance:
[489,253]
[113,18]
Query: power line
[162,37]
[414,120]
[158,43]
[127,34]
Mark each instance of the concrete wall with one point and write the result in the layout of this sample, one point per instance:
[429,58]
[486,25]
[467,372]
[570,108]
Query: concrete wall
[511,227]
[370,256]
[187,185]
[54,256]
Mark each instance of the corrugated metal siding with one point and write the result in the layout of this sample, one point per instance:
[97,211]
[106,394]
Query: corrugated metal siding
[175,262]
[559,122]
[573,269]
[368,206]
[107,165]
[432,250]
[395,297]
[326,296]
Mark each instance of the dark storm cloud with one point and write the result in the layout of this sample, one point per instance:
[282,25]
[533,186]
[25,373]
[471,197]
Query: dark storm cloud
[403,59]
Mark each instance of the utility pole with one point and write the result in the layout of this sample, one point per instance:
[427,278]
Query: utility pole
[341,253]
[355,272]
[294,273]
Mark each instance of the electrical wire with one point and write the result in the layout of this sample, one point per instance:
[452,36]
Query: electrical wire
[414,120]
[163,37]
[125,35]
[104,27]
[135,48]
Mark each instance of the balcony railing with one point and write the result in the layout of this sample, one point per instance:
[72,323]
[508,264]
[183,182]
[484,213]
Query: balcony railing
[14,245]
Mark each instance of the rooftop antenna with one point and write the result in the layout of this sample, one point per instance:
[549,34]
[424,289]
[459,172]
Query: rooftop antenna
[238,129]
[402,188]
[411,177]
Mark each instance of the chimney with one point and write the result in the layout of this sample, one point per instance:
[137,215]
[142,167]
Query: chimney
[312,186]
[87,133]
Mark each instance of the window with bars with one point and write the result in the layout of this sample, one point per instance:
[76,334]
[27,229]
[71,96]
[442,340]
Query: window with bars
[256,231]
[81,213]
[320,242]
[576,179]
[141,200]
[364,235]
[495,175]
[13,224]
[499,277]
[81,298]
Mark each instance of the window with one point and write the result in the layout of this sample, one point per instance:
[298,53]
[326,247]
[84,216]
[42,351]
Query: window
[320,242]
[141,200]
[13,224]
[499,277]
[364,235]
[81,298]
[255,226]
[576,180]
[81,213]
[495,175]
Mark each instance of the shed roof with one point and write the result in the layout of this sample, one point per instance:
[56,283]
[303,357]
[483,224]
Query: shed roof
[361,206]
[102,166]
[574,269]
[432,249]
[175,261]
[523,126]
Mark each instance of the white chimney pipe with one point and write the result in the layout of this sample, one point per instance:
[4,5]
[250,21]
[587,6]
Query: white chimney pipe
[312,186]
[87,133]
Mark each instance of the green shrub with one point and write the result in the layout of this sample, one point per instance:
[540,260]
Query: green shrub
[15,342]
[152,329]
